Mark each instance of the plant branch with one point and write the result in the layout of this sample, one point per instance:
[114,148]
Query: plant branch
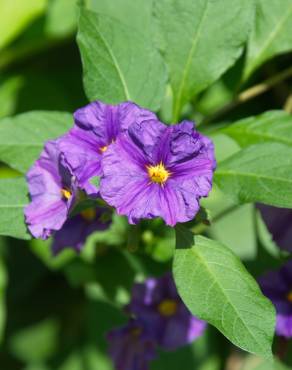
[201,227]
[288,104]
[250,93]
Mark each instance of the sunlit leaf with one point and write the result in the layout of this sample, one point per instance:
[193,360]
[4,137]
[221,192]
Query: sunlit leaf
[119,63]
[216,287]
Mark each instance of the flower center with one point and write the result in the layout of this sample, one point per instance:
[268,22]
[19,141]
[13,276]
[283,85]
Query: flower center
[66,193]
[289,296]
[167,308]
[158,173]
[88,214]
[102,149]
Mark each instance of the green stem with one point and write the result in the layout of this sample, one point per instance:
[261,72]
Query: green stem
[249,94]
[288,104]
[176,111]
[201,227]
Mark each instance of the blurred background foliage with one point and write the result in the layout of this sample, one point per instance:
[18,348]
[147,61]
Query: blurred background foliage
[54,312]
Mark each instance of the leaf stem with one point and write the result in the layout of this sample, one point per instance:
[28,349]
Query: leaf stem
[250,93]
[288,104]
[201,227]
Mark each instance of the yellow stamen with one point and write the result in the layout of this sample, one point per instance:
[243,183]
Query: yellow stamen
[103,148]
[66,193]
[168,307]
[289,296]
[158,173]
[88,214]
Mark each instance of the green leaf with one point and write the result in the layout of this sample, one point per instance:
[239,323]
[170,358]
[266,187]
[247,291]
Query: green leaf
[9,90]
[16,15]
[239,221]
[36,342]
[272,33]
[73,362]
[216,287]
[274,126]
[22,137]
[42,249]
[201,39]
[119,63]
[260,173]
[13,197]
[136,14]
[56,24]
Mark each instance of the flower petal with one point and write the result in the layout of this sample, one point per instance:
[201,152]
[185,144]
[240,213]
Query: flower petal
[178,203]
[131,347]
[107,121]
[46,179]
[76,230]
[45,215]
[82,152]
[284,325]
[181,330]
[147,136]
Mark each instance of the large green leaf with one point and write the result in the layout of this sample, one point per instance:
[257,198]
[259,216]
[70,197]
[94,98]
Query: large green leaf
[13,197]
[216,287]
[259,173]
[272,33]
[56,24]
[22,137]
[136,14]
[274,126]
[201,40]
[16,15]
[119,63]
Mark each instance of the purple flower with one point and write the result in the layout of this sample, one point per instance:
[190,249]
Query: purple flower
[131,347]
[76,229]
[279,223]
[155,170]
[52,189]
[277,286]
[97,125]
[157,303]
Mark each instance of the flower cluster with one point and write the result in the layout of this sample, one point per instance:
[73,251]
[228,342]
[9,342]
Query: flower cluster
[146,169]
[158,318]
[277,286]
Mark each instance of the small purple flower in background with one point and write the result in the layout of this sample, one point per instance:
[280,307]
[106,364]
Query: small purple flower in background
[157,303]
[52,189]
[131,347]
[279,223]
[277,286]
[158,171]
[76,229]
[97,125]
